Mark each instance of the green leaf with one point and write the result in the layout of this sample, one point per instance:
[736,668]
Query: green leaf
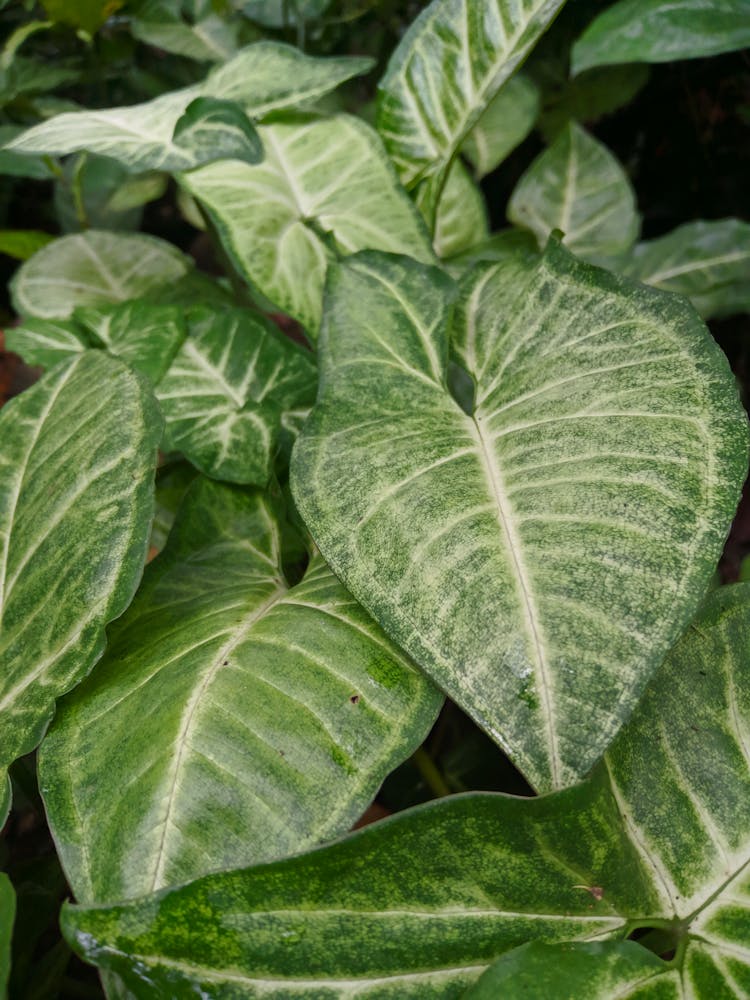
[658,31]
[596,971]
[505,123]
[94,268]
[7,915]
[22,243]
[46,342]
[76,499]
[499,246]
[233,719]
[87,14]
[282,13]
[212,129]
[21,164]
[443,75]
[462,215]
[144,335]
[578,187]
[262,77]
[25,77]
[84,192]
[210,39]
[138,190]
[665,845]
[539,557]
[707,261]
[279,219]
[172,482]
[5,796]
[591,96]
[226,390]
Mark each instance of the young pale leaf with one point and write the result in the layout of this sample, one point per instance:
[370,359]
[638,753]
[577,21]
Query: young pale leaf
[596,971]
[539,557]
[144,335]
[262,77]
[578,187]
[707,261]
[505,123]
[233,719]
[462,215]
[443,75]
[226,390]
[659,31]
[212,129]
[92,268]
[417,905]
[78,454]
[45,342]
[7,916]
[19,164]
[324,186]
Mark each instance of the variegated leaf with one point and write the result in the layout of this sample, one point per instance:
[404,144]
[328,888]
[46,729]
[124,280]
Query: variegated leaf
[538,556]
[213,129]
[462,216]
[505,123]
[324,187]
[234,718]
[226,390]
[144,335]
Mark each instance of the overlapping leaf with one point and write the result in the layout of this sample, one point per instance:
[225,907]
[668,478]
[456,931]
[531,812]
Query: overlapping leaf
[417,905]
[707,261]
[210,38]
[145,335]
[233,719]
[578,187]
[462,216]
[78,455]
[661,31]
[262,77]
[226,390]
[442,76]
[45,342]
[506,122]
[324,187]
[93,268]
[537,557]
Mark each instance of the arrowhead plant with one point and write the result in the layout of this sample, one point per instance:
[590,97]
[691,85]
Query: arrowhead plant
[326,503]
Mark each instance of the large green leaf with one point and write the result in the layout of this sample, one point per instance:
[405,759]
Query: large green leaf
[225,392]
[659,31]
[415,906]
[45,342]
[505,123]
[7,915]
[76,499]
[143,334]
[262,77]
[707,261]
[233,719]
[443,75]
[93,268]
[325,186]
[538,557]
[578,187]
[596,971]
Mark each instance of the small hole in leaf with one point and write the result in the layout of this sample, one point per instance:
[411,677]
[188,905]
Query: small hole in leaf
[354,699]
[461,387]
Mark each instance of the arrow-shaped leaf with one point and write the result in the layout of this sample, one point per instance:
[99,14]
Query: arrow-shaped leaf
[76,500]
[539,556]
[233,719]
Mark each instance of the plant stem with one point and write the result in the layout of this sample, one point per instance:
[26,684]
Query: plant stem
[431,774]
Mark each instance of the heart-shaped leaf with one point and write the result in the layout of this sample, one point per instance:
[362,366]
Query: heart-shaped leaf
[226,391]
[233,719]
[443,75]
[76,500]
[707,261]
[417,905]
[282,222]
[262,77]
[539,556]
[659,31]
[92,268]
[578,187]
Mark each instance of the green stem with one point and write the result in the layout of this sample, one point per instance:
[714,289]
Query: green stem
[431,774]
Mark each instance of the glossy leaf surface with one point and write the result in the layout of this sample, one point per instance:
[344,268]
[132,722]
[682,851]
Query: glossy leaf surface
[596,971]
[76,499]
[325,186]
[444,73]
[402,908]
[578,187]
[226,390]
[262,78]
[661,31]
[233,718]
[707,261]
[7,915]
[92,268]
[539,557]
[212,129]
[505,123]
